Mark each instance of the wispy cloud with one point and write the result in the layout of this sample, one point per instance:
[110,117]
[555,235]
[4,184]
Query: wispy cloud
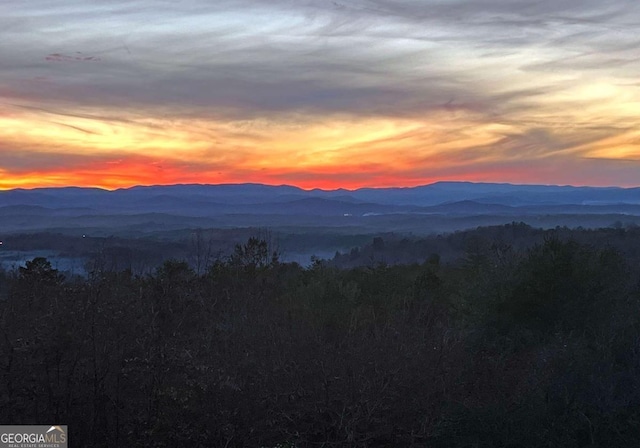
[498,81]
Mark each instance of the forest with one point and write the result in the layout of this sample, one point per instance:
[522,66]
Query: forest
[507,336]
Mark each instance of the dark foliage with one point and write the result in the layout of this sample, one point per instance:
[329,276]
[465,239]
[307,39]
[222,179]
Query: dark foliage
[525,345]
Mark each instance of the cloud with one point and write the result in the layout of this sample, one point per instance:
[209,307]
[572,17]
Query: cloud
[245,57]
[77,57]
[474,81]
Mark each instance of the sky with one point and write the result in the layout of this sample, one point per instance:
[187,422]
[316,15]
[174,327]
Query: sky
[319,94]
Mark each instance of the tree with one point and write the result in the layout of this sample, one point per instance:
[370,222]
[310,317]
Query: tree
[40,272]
[566,284]
[254,253]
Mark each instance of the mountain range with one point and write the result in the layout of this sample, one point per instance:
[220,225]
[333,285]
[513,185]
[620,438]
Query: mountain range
[155,208]
[207,200]
[70,225]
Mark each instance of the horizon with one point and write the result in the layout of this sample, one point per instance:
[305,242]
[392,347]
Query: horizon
[356,94]
[195,184]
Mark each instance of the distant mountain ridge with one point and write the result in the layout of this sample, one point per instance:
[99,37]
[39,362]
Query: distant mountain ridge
[232,205]
[438,207]
[432,194]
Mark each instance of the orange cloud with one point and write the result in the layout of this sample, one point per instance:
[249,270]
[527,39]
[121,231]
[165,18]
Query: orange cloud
[86,148]
[120,173]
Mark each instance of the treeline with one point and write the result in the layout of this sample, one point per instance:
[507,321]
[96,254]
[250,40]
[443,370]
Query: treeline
[397,249]
[143,254]
[500,347]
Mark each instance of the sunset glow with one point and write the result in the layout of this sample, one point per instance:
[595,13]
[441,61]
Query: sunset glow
[318,94]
